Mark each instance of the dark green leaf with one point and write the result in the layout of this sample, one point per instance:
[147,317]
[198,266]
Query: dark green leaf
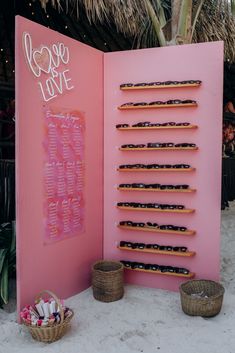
[3,253]
[4,283]
[13,238]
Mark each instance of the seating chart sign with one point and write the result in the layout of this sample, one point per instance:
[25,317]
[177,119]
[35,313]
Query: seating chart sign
[63,174]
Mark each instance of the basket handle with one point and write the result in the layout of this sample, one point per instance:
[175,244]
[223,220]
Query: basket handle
[61,311]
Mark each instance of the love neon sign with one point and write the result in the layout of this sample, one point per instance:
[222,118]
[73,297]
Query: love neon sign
[48,65]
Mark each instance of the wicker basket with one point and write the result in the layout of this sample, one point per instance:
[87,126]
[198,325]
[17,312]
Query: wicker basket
[55,332]
[107,281]
[208,304]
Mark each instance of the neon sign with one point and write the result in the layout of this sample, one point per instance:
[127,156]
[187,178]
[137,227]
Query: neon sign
[48,61]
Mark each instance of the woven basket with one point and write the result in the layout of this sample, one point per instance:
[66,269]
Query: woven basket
[107,281]
[201,306]
[55,332]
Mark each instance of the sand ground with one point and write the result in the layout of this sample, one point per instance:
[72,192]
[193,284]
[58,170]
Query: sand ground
[148,320]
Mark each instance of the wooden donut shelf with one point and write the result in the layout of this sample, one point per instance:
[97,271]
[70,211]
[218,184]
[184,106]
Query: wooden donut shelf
[155,209]
[157,230]
[159,149]
[174,170]
[152,229]
[156,106]
[161,252]
[157,190]
[180,85]
[189,275]
[156,127]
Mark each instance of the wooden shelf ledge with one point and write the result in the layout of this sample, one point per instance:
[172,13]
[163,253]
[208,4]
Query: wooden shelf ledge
[180,85]
[156,106]
[159,149]
[157,230]
[157,190]
[155,209]
[174,170]
[161,252]
[190,275]
[157,127]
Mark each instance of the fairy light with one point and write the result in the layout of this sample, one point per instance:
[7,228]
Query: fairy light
[48,16]
[32,13]
[66,27]
[6,60]
[30,4]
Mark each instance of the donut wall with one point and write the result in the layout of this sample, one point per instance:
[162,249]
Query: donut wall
[118,157]
[162,164]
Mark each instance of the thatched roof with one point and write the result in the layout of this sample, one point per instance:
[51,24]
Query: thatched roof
[215,21]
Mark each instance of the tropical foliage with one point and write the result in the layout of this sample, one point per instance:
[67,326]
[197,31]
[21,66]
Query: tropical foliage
[162,22]
[7,258]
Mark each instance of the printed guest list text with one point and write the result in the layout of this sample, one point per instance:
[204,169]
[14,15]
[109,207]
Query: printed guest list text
[63,174]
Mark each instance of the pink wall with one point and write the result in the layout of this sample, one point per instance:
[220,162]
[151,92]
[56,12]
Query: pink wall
[63,267]
[203,62]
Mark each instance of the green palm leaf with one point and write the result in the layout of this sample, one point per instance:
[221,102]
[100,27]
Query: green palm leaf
[7,258]
[4,283]
[3,253]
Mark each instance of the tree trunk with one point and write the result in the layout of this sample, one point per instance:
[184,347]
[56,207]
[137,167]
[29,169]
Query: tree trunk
[185,22]
[175,6]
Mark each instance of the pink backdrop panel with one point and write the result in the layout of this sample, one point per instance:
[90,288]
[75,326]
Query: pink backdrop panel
[198,62]
[64,266]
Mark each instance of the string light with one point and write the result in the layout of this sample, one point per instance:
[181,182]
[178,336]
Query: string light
[48,16]
[30,4]
[66,27]
[105,43]
[6,60]
[32,13]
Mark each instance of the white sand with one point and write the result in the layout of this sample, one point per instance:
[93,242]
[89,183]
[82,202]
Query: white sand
[146,320]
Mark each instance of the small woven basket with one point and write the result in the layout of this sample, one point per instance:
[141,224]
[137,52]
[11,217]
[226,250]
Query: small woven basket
[56,331]
[107,281]
[208,304]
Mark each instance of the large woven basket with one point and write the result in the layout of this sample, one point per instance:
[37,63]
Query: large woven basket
[55,332]
[107,281]
[201,297]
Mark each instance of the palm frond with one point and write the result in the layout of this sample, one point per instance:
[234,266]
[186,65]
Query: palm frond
[214,19]
[157,22]
[233,7]
[195,13]
[184,22]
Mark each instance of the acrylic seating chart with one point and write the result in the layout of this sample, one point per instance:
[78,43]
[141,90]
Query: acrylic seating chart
[63,174]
